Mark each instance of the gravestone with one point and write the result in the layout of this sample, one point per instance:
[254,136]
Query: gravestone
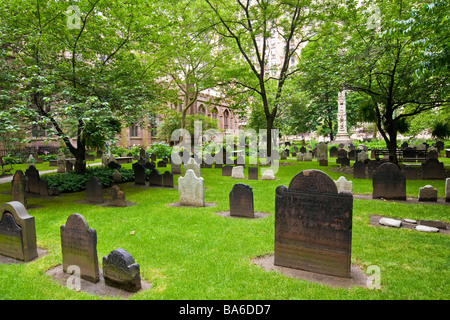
[153,157]
[18,187]
[149,165]
[322,154]
[389,183]
[447,190]
[362,156]
[433,169]
[333,152]
[238,172]
[283,155]
[432,153]
[241,201]
[428,194]
[359,170]
[303,149]
[404,145]
[194,166]
[191,190]
[167,179]
[61,163]
[113,164]
[343,185]
[162,164]
[117,176]
[17,232]
[33,179]
[116,197]
[226,170]
[176,168]
[139,174]
[372,167]
[307,156]
[141,153]
[440,146]
[253,173]
[94,190]
[155,178]
[299,157]
[313,225]
[79,247]
[410,173]
[69,166]
[268,175]
[121,271]
[43,188]
[341,155]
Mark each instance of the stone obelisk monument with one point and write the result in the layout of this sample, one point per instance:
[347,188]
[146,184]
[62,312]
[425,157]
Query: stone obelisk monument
[342,135]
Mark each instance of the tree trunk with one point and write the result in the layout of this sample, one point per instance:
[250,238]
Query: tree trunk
[80,159]
[392,146]
[270,121]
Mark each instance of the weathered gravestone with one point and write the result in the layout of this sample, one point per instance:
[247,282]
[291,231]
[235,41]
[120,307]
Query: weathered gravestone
[94,190]
[433,169]
[333,152]
[139,174]
[155,178]
[117,176]
[18,187]
[116,197]
[362,156]
[61,163]
[389,183]
[43,188]
[428,194]
[343,184]
[121,271]
[226,170]
[341,154]
[17,232]
[167,179]
[253,173]
[191,190]
[69,166]
[162,164]
[194,166]
[268,175]
[238,172]
[313,225]
[33,179]
[241,201]
[359,170]
[322,154]
[79,247]
[447,190]
[176,168]
[410,173]
[432,153]
[308,156]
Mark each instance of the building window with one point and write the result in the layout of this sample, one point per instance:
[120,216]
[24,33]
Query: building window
[134,130]
[226,119]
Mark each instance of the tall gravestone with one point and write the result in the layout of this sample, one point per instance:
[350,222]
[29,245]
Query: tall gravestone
[79,247]
[241,201]
[17,232]
[322,154]
[33,179]
[191,190]
[18,187]
[313,225]
[389,182]
[121,271]
[94,190]
[333,152]
[167,179]
[359,170]
[139,174]
[433,169]
[61,163]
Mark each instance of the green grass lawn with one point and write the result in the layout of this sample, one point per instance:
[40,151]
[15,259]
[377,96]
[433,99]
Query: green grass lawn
[193,253]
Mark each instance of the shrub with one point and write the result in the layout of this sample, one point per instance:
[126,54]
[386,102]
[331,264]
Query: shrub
[160,149]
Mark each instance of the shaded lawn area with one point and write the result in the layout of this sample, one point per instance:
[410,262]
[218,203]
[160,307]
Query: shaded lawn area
[193,253]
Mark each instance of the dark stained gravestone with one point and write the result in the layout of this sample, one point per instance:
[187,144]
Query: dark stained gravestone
[17,232]
[313,225]
[253,173]
[433,169]
[359,170]
[167,179]
[241,201]
[139,173]
[389,183]
[121,271]
[433,154]
[33,179]
[340,155]
[94,190]
[410,173]
[18,187]
[79,247]
[162,164]
[43,188]
[372,167]
[149,165]
[153,157]
[155,178]
[226,170]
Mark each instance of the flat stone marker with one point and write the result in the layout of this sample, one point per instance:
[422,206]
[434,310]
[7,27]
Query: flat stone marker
[237,172]
[18,187]
[390,222]
[191,190]
[253,173]
[17,232]
[79,247]
[389,183]
[313,225]
[121,271]
[139,174]
[241,201]
[94,190]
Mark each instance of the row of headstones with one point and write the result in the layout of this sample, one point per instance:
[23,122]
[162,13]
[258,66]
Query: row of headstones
[78,244]
[30,182]
[430,169]
[390,183]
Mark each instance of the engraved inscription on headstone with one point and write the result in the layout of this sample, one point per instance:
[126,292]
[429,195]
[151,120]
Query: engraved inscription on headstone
[241,201]
[121,271]
[313,225]
[79,247]
[17,232]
